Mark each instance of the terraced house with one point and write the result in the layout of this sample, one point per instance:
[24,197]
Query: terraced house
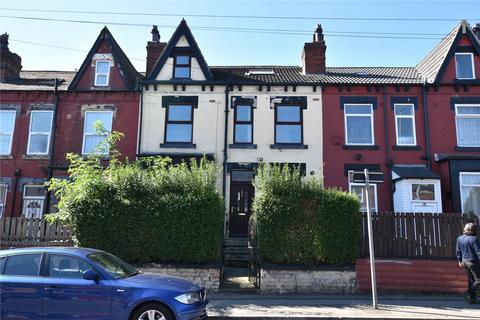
[420,125]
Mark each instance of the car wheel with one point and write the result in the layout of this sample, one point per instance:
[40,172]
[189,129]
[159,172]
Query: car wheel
[152,311]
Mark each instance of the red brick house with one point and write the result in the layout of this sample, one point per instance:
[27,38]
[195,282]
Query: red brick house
[47,114]
[419,126]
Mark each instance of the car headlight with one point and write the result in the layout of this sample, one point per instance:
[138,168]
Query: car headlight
[188,298]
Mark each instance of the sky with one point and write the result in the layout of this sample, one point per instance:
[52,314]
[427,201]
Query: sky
[349,39]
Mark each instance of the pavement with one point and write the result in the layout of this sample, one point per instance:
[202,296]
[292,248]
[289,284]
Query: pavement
[238,306]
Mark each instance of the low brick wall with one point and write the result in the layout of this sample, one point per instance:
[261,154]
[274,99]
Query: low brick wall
[300,280]
[209,277]
[403,275]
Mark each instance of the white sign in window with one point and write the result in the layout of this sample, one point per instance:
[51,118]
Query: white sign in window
[423,192]
[470,192]
[33,201]
[405,124]
[359,124]
[3,198]
[360,190]
[40,131]
[93,139]
[102,73]
[7,125]
[464,65]
[467,119]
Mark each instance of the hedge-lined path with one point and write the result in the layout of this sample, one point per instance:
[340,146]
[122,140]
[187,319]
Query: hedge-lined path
[306,306]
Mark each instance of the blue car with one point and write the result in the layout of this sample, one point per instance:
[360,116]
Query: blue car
[81,283]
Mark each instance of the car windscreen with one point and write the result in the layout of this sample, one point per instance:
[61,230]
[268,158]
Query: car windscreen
[112,265]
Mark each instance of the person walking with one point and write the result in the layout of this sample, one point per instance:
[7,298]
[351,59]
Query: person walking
[468,254]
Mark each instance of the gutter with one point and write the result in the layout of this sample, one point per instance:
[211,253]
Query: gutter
[52,145]
[426,124]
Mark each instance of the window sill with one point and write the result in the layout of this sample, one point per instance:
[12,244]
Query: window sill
[288,146]
[100,88]
[468,149]
[6,157]
[242,146]
[178,145]
[397,147]
[360,147]
[36,157]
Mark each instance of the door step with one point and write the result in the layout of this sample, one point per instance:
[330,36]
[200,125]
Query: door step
[236,279]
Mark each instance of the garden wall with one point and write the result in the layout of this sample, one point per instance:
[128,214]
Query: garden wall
[404,275]
[208,276]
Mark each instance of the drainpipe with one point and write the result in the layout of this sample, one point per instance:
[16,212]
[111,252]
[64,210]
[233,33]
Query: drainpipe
[225,137]
[389,162]
[140,121]
[52,144]
[17,174]
[426,124]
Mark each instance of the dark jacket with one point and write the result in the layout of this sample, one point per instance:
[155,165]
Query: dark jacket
[468,248]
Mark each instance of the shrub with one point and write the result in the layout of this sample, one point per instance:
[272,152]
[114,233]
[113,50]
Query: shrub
[300,222]
[143,211]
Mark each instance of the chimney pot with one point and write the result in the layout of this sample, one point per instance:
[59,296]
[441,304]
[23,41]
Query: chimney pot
[476,30]
[314,53]
[154,49]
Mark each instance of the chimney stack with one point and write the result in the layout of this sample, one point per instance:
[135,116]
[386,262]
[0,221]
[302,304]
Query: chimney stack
[313,55]
[154,49]
[10,63]
[476,30]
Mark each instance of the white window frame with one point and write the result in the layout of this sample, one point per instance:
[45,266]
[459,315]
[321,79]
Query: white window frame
[4,200]
[358,115]
[26,198]
[98,73]
[352,184]
[465,185]
[473,65]
[465,116]
[412,116]
[425,183]
[85,134]
[10,133]
[30,132]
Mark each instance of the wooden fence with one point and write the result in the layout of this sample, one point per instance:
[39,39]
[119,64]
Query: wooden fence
[414,235]
[22,232]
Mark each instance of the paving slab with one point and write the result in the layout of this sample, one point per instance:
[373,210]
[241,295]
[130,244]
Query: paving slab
[307,306]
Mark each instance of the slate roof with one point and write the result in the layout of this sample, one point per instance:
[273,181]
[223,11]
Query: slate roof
[39,80]
[431,66]
[414,172]
[333,75]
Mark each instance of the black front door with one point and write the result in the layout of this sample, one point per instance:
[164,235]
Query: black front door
[241,197]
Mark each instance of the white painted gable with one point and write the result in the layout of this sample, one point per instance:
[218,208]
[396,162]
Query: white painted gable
[166,73]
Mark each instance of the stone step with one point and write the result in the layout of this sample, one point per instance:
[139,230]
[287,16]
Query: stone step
[236,242]
[239,250]
[236,257]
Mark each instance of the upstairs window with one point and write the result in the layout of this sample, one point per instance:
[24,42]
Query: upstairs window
[288,124]
[405,124]
[243,124]
[92,138]
[40,131]
[102,73]
[464,65]
[7,125]
[468,125]
[181,68]
[358,124]
[179,124]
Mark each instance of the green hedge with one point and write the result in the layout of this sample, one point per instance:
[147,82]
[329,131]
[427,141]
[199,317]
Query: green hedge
[300,222]
[144,212]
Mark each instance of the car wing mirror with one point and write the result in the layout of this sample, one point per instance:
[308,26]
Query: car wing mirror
[91,275]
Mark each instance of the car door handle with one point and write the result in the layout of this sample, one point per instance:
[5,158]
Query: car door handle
[52,287]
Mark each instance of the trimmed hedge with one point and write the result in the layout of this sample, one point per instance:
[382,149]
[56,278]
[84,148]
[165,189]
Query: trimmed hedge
[145,211]
[300,222]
